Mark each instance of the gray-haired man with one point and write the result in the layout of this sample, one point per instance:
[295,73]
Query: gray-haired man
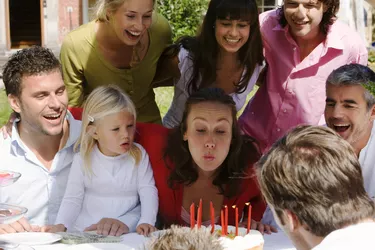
[350,111]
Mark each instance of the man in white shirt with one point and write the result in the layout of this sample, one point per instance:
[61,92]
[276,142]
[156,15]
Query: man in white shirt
[350,111]
[312,181]
[42,140]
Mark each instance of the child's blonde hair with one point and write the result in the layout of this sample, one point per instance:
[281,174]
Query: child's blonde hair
[182,238]
[103,101]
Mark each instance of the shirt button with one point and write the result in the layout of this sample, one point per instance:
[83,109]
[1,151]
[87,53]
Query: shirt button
[130,82]
[252,113]
[131,92]
[278,129]
[284,110]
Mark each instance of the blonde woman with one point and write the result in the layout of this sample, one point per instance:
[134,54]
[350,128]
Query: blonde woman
[111,188]
[121,46]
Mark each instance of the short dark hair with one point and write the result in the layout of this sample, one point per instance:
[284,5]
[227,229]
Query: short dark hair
[355,74]
[243,149]
[27,62]
[328,19]
[315,174]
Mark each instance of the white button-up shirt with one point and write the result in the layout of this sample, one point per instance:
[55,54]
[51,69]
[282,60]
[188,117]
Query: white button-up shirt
[359,236]
[367,161]
[39,190]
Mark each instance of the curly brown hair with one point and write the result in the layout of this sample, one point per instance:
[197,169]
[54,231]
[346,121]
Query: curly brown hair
[329,17]
[243,150]
[28,62]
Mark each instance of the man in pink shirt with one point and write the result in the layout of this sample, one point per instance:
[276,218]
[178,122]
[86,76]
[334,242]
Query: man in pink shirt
[303,44]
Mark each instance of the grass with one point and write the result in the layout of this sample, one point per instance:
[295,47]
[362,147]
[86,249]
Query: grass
[5,110]
[164,98]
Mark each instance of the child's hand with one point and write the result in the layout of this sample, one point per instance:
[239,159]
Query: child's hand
[145,229]
[108,226]
[53,228]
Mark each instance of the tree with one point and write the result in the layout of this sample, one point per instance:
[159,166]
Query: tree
[185,16]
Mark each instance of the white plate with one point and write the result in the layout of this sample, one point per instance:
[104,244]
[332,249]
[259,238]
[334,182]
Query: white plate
[103,246]
[31,238]
[23,247]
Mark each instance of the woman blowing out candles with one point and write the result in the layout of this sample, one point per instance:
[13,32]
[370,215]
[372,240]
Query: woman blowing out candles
[207,158]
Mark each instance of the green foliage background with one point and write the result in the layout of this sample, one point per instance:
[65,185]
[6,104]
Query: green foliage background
[184,16]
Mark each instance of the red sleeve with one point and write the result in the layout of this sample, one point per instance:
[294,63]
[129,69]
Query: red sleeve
[76,112]
[249,192]
[153,138]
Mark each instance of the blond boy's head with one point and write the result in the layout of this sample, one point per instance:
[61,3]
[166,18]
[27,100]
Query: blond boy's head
[183,238]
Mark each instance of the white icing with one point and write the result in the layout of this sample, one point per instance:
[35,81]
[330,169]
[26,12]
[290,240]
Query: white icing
[244,241]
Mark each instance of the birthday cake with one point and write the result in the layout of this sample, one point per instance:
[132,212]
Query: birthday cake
[244,241]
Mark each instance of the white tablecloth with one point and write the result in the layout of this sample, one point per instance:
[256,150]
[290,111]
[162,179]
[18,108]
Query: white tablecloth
[276,241]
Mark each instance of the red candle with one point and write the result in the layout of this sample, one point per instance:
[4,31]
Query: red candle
[212,215]
[222,223]
[199,216]
[192,215]
[248,216]
[226,219]
[236,216]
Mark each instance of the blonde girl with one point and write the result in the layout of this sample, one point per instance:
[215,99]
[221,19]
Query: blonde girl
[111,188]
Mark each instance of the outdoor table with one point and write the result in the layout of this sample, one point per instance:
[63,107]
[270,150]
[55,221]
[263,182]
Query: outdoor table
[275,241]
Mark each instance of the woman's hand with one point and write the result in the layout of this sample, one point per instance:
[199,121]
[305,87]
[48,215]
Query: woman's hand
[20,226]
[145,229]
[108,226]
[268,229]
[7,128]
[53,228]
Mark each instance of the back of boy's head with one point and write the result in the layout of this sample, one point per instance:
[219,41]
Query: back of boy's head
[32,61]
[183,238]
[315,174]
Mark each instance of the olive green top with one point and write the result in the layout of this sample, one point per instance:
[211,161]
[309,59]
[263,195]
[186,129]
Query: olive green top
[85,68]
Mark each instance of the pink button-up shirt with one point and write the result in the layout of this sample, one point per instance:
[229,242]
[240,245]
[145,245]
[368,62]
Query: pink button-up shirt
[294,91]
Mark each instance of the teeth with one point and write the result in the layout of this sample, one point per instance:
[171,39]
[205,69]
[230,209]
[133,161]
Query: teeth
[232,40]
[300,22]
[134,33]
[341,125]
[52,116]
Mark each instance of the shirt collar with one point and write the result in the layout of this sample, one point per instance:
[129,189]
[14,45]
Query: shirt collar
[333,38]
[74,133]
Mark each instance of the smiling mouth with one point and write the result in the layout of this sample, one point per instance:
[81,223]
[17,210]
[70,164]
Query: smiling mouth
[340,128]
[132,34]
[52,116]
[233,41]
[300,22]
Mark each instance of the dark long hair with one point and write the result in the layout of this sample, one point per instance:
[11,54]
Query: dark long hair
[203,49]
[243,149]
[328,19]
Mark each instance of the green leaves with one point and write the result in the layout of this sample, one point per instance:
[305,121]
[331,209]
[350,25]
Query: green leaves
[185,16]
[370,86]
